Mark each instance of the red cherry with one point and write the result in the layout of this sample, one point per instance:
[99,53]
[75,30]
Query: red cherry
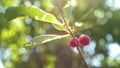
[84,40]
[74,42]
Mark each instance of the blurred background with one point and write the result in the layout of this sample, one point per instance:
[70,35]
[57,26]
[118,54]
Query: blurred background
[100,19]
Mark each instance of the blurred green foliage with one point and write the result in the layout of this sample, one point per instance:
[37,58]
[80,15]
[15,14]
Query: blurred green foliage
[91,17]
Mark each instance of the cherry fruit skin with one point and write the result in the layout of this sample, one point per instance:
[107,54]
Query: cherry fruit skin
[84,40]
[74,42]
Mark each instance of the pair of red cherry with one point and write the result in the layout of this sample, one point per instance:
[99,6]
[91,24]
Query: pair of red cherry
[83,40]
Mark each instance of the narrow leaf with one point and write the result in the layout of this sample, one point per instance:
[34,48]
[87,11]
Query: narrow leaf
[33,12]
[30,11]
[58,27]
[68,9]
[1,14]
[44,39]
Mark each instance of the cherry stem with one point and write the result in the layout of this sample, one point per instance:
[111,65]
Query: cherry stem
[80,53]
[71,33]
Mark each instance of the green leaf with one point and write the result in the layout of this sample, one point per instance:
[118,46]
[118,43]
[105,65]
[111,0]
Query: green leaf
[44,39]
[1,14]
[33,12]
[58,27]
[30,11]
[68,9]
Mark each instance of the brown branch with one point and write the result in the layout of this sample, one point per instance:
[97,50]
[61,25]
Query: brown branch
[72,34]
[80,53]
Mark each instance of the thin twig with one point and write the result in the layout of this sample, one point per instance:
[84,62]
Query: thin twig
[80,53]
